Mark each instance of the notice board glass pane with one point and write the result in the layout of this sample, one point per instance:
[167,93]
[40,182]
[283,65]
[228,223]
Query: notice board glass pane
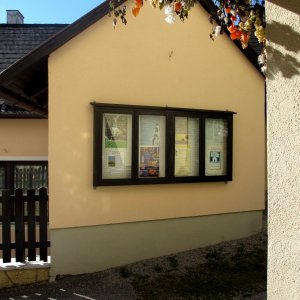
[152,146]
[216,134]
[117,146]
[186,146]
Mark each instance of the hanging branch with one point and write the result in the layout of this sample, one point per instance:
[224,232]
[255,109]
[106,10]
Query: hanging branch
[241,18]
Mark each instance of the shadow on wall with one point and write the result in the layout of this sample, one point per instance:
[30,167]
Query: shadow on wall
[290,5]
[285,63]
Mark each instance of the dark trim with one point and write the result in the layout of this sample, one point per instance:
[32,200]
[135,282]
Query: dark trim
[157,108]
[20,116]
[170,114]
[32,25]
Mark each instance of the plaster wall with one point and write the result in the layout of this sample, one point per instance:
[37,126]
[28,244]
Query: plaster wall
[23,138]
[283,134]
[149,62]
[105,246]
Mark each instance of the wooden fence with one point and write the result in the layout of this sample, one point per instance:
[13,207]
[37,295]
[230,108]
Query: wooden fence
[27,214]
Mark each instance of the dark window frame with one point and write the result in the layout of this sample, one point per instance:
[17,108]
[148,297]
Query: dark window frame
[171,114]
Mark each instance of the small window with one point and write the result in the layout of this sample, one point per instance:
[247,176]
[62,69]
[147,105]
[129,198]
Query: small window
[148,145]
[2,178]
[23,175]
[30,176]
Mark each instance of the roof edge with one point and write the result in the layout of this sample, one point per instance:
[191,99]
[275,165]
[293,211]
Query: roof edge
[34,25]
[21,116]
[84,22]
[57,40]
[249,52]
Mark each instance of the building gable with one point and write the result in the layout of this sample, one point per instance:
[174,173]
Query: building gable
[148,63]
[19,78]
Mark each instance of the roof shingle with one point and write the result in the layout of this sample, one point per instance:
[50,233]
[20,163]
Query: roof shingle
[17,40]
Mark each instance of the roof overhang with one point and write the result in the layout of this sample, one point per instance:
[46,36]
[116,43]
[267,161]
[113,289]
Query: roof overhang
[25,83]
[27,89]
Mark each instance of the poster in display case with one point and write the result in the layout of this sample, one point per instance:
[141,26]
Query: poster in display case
[136,145]
[186,146]
[216,133]
[117,146]
[152,131]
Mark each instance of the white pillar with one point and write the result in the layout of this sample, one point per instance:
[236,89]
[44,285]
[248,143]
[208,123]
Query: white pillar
[283,135]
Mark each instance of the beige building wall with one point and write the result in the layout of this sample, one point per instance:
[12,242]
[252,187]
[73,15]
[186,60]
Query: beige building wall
[23,139]
[149,62]
[283,115]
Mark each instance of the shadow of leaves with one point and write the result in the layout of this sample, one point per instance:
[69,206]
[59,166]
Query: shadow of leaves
[293,6]
[283,35]
[286,62]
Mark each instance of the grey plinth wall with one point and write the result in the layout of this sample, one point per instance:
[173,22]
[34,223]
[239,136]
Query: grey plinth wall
[283,121]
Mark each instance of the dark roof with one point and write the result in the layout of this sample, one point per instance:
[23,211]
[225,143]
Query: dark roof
[26,81]
[17,40]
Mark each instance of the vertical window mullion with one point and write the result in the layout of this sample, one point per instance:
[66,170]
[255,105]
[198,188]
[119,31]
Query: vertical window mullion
[170,159]
[229,147]
[97,170]
[202,147]
[135,146]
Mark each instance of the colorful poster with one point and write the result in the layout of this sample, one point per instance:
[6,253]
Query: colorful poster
[116,127]
[116,146]
[152,146]
[149,161]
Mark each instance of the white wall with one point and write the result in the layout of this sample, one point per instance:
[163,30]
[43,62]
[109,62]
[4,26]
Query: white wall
[283,114]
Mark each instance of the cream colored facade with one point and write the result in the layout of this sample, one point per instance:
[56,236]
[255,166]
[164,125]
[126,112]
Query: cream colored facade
[283,115]
[148,62]
[23,139]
